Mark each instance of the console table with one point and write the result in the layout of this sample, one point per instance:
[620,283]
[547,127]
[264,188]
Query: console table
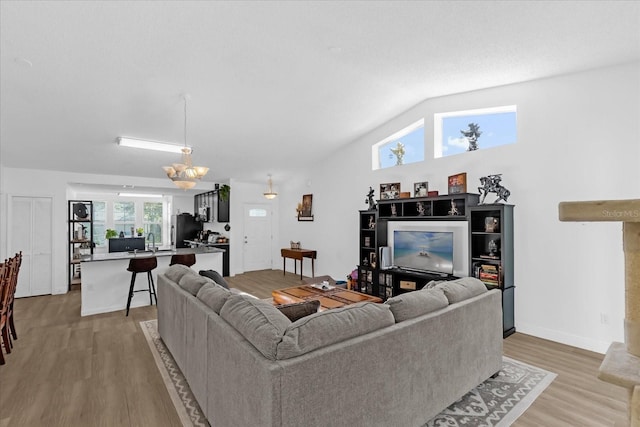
[297,254]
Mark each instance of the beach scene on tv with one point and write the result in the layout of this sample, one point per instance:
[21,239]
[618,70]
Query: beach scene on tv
[423,250]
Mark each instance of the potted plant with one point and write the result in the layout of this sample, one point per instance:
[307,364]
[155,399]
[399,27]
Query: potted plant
[110,234]
[140,230]
[223,192]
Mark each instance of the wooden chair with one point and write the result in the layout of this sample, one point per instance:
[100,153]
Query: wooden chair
[14,285]
[5,284]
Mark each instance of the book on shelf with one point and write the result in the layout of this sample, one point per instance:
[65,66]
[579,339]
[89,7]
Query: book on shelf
[490,274]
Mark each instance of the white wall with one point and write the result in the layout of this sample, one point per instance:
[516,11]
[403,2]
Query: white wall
[578,139]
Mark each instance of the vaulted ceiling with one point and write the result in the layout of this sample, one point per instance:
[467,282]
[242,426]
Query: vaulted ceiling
[273,85]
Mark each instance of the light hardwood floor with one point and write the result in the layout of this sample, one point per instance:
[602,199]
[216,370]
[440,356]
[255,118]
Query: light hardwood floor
[68,370]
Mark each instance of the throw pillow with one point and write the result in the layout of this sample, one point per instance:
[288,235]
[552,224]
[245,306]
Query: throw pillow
[332,326]
[192,283]
[462,289]
[299,310]
[213,296]
[176,271]
[215,276]
[413,304]
[258,321]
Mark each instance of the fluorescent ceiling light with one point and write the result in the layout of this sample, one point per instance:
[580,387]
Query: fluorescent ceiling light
[147,195]
[149,145]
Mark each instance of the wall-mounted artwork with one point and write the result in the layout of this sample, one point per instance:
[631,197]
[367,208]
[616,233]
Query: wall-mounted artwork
[304,210]
[463,131]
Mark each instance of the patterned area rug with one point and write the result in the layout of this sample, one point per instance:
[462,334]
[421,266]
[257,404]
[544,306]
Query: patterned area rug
[497,402]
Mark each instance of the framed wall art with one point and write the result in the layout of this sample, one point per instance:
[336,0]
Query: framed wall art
[304,214]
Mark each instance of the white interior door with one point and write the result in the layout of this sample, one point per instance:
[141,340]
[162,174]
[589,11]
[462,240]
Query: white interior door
[31,233]
[256,250]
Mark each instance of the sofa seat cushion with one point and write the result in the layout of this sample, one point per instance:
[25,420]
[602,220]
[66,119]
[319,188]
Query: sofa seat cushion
[213,296]
[192,283]
[462,289]
[413,304]
[298,310]
[215,276]
[176,271]
[332,326]
[257,320]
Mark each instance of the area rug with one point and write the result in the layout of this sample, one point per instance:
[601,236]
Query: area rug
[497,402]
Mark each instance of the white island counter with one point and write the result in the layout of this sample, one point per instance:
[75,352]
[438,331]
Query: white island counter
[105,279]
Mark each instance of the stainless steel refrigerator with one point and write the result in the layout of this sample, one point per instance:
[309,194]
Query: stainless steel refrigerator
[184,227]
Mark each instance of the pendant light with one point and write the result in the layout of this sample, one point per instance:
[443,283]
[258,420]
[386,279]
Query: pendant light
[184,174]
[270,194]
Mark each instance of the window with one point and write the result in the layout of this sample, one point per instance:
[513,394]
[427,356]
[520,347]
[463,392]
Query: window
[403,147]
[124,217]
[257,212]
[461,131]
[152,220]
[99,223]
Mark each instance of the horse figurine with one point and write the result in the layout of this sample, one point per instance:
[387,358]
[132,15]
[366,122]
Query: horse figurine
[491,184]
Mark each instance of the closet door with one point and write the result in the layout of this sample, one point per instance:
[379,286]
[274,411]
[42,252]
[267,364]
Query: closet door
[30,228]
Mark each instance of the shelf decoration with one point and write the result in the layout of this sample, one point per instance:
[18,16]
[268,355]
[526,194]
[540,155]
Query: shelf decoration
[370,201]
[420,189]
[491,184]
[390,191]
[457,183]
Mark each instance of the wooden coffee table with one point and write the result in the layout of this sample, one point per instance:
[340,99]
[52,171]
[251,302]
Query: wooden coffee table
[332,298]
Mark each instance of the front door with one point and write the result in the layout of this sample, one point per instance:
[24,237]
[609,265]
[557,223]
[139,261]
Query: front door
[256,249]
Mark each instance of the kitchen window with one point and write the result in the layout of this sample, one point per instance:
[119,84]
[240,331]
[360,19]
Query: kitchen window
[152,221]
[99,223]
[124,217]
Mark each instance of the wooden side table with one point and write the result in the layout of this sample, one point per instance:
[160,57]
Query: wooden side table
[297,254]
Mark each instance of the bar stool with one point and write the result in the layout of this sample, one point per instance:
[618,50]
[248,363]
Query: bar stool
[142,265]
[184,259]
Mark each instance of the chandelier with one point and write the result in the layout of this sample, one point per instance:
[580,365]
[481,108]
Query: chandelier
[270,194]
[184,174]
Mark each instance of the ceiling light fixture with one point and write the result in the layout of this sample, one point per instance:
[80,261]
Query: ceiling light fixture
[270,194]
[184,174]
[145,144]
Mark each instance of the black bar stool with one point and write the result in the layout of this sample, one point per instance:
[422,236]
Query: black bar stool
[142,265]
[184,259]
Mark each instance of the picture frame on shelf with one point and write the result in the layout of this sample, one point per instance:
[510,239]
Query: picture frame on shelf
[457,184]
[420,189]
[372,259]
[491,225]
[390,191]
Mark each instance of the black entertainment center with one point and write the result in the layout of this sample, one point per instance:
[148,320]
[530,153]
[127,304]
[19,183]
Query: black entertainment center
[417,232]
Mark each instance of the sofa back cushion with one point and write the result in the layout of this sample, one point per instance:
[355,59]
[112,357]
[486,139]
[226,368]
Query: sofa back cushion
[257,320]
[413,304]
[192,283]
[462,289]
[213,296]
[176,271]
[332,326]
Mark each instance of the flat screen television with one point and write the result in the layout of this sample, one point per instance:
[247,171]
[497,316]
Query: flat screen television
[430,251]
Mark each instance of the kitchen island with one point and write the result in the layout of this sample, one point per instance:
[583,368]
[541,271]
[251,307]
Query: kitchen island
[105,279]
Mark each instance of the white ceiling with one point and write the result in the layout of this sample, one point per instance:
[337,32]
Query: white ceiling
[273,84]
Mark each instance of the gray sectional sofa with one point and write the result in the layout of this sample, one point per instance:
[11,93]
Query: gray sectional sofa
[394,364]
